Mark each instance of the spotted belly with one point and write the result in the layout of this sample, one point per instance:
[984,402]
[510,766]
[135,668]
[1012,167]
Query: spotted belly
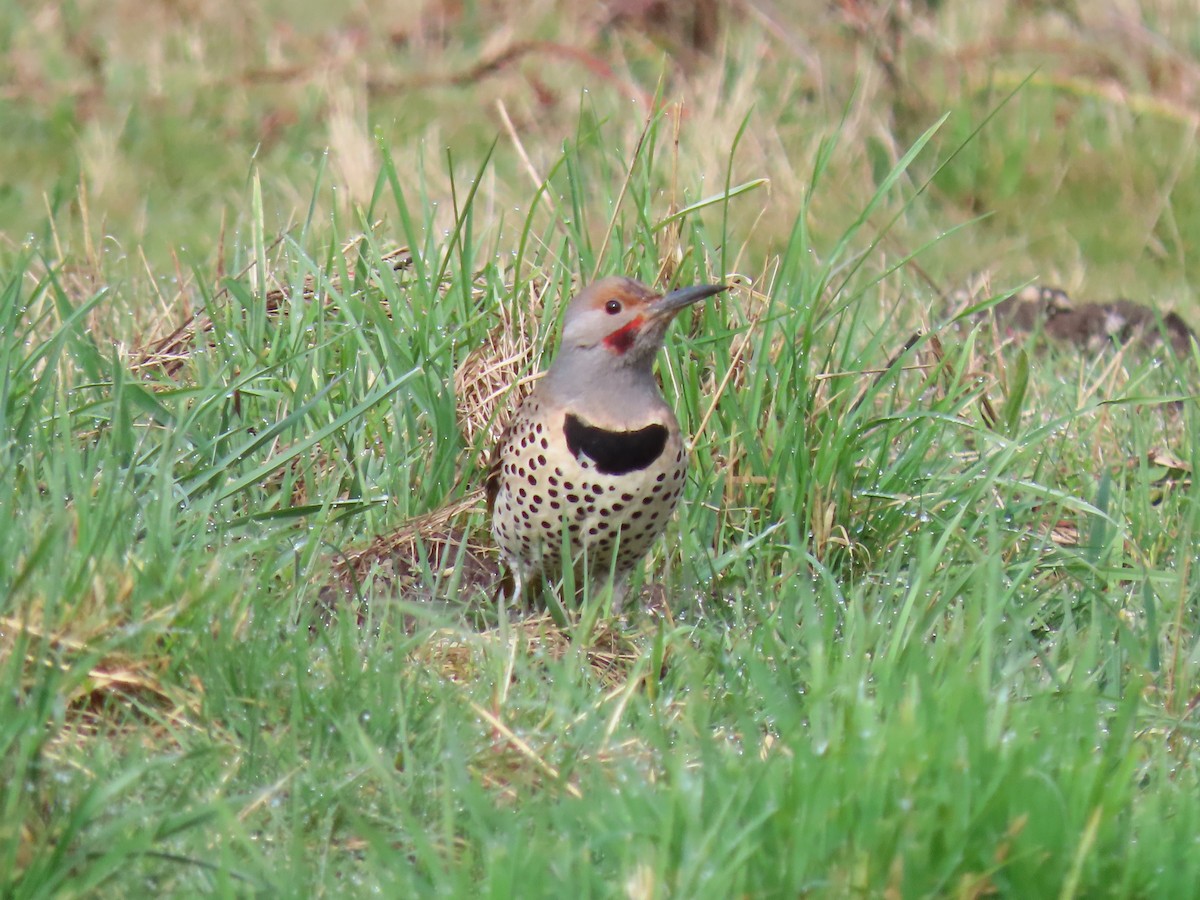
[551,490]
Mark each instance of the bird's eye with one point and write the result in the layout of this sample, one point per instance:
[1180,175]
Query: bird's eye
[612,307]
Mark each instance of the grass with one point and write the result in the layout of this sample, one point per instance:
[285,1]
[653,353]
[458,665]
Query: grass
[925,623]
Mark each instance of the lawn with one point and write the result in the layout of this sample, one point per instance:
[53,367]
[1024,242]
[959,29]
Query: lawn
[927,622]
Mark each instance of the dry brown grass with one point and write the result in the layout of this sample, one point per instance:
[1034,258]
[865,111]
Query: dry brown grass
[169,353]
[116,693]
[496,375]
[396,563]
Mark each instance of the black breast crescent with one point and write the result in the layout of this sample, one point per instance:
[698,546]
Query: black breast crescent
[614,452]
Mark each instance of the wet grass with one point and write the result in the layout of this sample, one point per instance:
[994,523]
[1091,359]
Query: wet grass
[924,625]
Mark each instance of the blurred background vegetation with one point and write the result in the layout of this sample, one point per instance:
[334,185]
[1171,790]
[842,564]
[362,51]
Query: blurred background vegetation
[135,127]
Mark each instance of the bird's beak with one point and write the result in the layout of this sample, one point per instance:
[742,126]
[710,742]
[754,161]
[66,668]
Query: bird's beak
[671,303]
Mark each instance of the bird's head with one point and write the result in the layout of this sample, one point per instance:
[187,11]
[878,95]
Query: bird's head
[621,322]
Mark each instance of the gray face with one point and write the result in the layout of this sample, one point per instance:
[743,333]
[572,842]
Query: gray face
[622,321]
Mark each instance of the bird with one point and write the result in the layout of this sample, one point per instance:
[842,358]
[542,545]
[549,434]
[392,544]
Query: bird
[592,462]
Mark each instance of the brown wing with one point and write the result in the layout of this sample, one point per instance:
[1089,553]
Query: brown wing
[506,586]
[491,479]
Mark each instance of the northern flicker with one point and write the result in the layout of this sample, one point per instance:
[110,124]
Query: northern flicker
[593,460]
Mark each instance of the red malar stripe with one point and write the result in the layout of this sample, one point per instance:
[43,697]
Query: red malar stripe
[622,339]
